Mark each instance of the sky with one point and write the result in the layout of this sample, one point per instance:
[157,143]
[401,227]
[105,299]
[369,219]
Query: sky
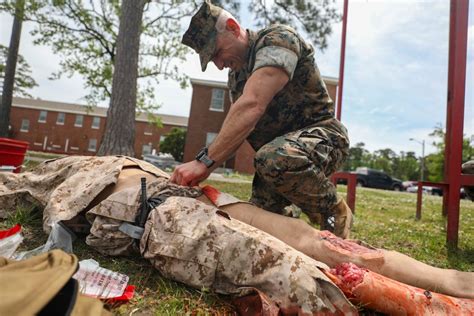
[395,82]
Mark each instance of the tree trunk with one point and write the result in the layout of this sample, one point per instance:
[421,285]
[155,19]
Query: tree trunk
[10,68]
[119,136]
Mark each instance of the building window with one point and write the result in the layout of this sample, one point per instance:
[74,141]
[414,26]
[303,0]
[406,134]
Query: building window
[217,101]
[92,145]
[25,125]
[146,149]
[162,138]
[42,116]
[210,138]
[95,122]
[79,120]
[60,119]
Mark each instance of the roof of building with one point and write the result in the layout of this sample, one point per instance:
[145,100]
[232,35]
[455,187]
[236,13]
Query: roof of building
[223,84]
[72,108]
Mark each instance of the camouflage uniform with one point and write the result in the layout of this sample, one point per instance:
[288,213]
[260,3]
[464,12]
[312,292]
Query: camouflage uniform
[185,239]
[298,141]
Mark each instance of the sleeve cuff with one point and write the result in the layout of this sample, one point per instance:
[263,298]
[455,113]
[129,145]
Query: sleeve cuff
[276,56]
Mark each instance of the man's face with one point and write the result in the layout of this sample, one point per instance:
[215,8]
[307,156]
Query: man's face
[230,52]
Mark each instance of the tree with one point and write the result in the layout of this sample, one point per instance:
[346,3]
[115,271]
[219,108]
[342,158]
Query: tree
[435,162]
[10,68]
[314,17]
[174,143]
[23,80]
[358,157]
[121,112]
[85,35]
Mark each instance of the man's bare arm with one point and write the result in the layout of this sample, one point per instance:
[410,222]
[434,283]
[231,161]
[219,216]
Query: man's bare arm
[244,114]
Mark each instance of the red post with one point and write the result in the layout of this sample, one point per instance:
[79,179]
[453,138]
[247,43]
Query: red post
[455,112]
[342,61]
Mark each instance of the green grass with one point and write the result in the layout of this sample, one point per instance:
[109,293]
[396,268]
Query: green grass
[383,219]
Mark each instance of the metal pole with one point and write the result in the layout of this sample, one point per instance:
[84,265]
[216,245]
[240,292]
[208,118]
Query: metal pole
[455,112]
[342,61]
[423,160]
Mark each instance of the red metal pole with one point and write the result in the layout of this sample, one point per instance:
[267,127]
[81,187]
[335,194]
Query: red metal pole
[455,112]
[342,61]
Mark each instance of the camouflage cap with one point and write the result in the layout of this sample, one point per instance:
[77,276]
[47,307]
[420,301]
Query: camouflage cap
[201,34]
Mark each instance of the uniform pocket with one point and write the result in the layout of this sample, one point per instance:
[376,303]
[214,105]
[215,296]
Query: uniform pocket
[191,260]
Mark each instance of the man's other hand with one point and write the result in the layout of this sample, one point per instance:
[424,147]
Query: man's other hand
[190,173]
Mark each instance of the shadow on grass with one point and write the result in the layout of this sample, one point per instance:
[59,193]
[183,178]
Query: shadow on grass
[460,257]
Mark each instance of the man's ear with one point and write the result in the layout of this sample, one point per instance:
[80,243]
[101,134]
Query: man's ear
[233,26]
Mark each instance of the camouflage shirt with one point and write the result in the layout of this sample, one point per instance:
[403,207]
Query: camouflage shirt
[303,102]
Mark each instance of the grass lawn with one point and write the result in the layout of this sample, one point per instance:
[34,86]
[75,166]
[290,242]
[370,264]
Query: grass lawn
[383,218]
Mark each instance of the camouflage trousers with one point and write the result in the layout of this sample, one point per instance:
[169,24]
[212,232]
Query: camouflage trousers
[294,169]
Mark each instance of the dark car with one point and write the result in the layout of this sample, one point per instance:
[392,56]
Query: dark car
[377,179]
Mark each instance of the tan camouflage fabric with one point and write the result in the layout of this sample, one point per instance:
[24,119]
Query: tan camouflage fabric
[199,245]
[201,33]
[123,206]
[185,239]
[468,168]
[64,187]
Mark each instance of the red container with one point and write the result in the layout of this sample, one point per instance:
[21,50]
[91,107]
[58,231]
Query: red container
[12,152]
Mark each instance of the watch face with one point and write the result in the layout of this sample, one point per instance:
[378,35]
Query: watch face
[202,157]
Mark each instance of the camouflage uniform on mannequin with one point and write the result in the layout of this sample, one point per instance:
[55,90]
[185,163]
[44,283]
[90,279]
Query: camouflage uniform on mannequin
[205,241]
[185,239]
[298,141]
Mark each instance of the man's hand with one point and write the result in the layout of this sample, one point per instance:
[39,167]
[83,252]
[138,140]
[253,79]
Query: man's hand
[190,173]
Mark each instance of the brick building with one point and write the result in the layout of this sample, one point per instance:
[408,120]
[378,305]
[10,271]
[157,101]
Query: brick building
[210,103]
[74,129]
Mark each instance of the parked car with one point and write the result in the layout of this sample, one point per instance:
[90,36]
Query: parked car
[162,161]
[426,190]
[377,179]
[433,190]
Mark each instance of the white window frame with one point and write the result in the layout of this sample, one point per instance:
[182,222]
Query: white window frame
[76,124]
[63,115]
[210,138]
[98,122]
[45,116]
[215,99]
[147,152]
[92,145]
[162,138]
[25,125]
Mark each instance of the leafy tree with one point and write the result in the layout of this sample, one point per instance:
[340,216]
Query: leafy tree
[23,80]
[358,157]
[120,115]
[314,17]
[85,34]
[10,67]
[174,143]
[435,161]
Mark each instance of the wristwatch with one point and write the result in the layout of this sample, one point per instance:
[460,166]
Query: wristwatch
[203,157]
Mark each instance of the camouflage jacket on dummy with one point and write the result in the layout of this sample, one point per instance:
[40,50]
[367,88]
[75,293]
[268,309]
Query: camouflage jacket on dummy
[303,102]
[185,239]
